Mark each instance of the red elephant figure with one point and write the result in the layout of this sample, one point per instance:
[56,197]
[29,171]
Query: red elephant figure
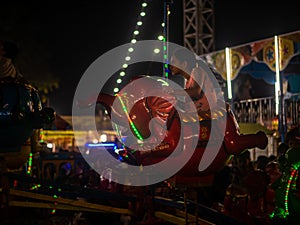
[165,112]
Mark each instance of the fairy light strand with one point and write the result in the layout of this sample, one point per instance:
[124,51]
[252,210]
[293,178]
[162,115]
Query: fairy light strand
[165,25]
[283,212]
[127,59]
[135,130]
[29,167]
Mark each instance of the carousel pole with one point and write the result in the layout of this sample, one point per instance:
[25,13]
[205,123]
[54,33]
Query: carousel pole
[228,74]
[279,104]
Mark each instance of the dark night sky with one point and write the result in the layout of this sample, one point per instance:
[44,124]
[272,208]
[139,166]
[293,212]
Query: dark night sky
[61,40]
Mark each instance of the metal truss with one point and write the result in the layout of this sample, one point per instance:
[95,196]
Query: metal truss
[198,25]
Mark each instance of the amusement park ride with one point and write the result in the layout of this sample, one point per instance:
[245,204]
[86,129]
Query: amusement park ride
[179,199]
[164,200]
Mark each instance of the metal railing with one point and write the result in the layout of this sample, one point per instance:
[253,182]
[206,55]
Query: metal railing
[262,110]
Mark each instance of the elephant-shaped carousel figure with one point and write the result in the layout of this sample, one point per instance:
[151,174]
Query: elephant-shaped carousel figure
[149,112]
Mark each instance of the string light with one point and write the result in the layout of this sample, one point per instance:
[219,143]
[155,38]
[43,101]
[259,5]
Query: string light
[29,168]
[35,187]
[135,130]
[287,190]
[55,196]
[291,184]
[165,38]
[41,136]
[136,32]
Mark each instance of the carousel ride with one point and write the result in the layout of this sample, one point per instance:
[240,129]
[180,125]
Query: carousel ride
[145,119]
[178,199]
[174,199]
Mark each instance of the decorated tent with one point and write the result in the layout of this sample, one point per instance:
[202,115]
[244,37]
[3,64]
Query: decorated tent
[260,77]
[258,59]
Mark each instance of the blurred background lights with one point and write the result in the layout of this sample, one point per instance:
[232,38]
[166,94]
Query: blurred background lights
[103,138]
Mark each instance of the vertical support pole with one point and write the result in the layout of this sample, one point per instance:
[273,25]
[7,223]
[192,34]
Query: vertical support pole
[278,96]
[228,73]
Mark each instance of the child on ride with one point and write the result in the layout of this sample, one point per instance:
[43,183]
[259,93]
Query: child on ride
[198,84]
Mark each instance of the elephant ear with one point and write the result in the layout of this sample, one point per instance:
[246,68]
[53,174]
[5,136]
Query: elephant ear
[161,107]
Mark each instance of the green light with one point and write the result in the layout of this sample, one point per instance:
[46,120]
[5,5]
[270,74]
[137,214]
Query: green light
[29,163]
[135,130]
[296,166]
[287,190]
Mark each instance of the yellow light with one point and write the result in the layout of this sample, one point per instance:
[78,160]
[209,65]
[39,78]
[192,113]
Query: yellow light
[156,51]
[103,137]
[160,37]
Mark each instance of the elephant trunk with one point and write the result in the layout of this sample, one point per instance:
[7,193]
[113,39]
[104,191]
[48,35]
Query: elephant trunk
[236,143]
